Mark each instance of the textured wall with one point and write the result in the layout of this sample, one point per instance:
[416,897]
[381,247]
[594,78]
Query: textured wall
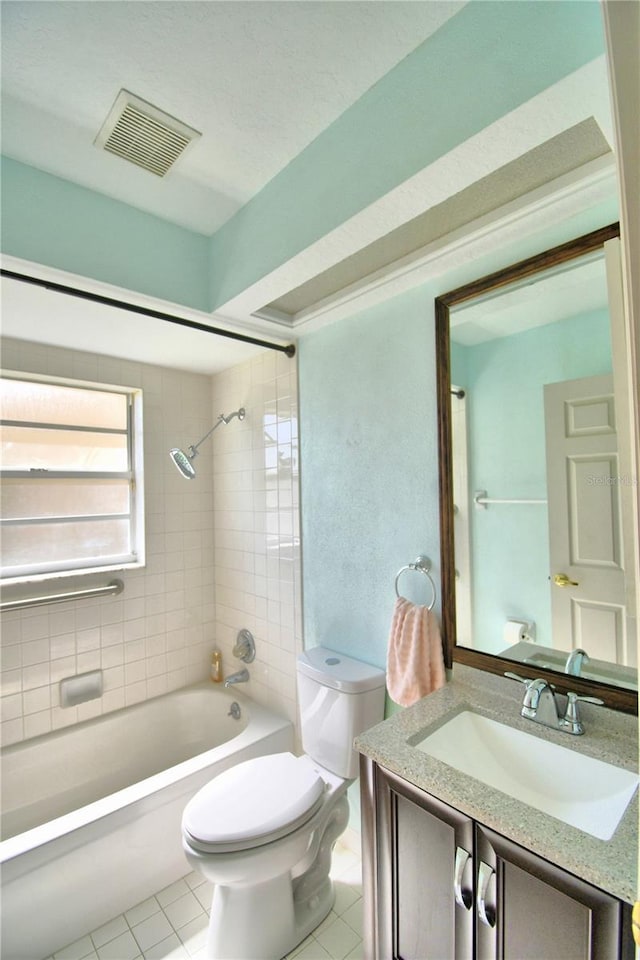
[368,428]
[369,470]
[49,220]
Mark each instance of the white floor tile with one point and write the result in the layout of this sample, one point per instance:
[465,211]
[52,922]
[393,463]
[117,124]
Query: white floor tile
[330,918]
[204,895]
[169,948]
[194,880]
[77,950]
[299,948]
[343,860]
[173,924]
[338,939]
[183,910]
[152,930]
[200,955]
[194,933]
[353,916]
[171,893]
[313,951]
[357,953]
[109,931]
[123,947]
[353,876]
[346,896]
[142,911]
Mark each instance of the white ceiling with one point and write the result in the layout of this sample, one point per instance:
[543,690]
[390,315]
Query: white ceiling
[259,80]
[44,316]
[578,287]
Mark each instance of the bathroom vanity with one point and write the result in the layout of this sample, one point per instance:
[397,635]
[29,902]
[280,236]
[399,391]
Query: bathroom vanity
[454,868]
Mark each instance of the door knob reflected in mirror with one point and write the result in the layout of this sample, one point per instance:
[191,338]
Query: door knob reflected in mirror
[562,580]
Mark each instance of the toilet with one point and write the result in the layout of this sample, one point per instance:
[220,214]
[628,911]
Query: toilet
[263,831]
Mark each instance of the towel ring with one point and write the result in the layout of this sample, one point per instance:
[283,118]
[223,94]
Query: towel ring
[423,565]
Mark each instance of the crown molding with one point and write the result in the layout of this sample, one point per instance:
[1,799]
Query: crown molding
[556,201]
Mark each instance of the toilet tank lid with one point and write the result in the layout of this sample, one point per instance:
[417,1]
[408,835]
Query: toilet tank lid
[333,669]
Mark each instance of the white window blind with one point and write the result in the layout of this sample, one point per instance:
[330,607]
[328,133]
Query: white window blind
[71,457]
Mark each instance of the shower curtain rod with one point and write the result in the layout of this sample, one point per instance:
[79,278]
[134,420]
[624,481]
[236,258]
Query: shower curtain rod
[288,349]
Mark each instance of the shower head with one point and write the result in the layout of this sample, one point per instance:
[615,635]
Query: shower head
[184,461]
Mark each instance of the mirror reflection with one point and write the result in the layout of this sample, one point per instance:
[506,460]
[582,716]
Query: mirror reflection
[539,484]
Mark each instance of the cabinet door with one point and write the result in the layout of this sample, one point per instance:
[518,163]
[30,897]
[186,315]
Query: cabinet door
[425,875]
[529,909]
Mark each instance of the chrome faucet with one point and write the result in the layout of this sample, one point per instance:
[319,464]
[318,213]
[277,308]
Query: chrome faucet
[241,676]
[575,660]
[540,705]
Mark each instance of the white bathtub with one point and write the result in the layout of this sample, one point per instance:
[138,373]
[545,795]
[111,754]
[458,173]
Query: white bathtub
[92,813]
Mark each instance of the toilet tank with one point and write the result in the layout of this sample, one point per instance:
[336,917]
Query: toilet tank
[339,698]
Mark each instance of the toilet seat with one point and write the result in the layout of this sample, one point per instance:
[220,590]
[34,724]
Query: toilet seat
[253,803]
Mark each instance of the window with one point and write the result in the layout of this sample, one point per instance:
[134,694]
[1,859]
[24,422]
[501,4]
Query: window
[71,477]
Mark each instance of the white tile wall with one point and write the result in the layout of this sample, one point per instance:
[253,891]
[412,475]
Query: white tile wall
[232,534]
[257,551]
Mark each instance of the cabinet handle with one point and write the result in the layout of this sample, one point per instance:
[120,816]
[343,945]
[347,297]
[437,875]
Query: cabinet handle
[463,897]
[486,913]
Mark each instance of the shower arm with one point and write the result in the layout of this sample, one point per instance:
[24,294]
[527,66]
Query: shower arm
[193,448]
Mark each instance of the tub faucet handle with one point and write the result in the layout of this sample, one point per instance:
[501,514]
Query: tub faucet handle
[245,648]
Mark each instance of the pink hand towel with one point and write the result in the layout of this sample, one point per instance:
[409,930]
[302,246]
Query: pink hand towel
[415,665]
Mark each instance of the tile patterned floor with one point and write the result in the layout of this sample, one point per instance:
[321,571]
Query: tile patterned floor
[172,925]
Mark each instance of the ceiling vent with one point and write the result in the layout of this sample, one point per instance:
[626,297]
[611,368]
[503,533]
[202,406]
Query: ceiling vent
[141,133]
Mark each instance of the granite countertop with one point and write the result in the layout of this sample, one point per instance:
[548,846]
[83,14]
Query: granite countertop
[610,865]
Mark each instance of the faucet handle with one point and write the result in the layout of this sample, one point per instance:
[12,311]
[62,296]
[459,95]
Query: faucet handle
[526,680]
[571,721]
[573,697]
[245,647]
[514,676]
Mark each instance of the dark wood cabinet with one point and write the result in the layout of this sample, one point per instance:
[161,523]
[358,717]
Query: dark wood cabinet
[439,886]
[427,921]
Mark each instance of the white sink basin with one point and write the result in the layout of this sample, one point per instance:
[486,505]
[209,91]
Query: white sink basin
[586,793]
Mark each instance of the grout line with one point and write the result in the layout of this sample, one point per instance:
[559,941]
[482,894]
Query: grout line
[189,885]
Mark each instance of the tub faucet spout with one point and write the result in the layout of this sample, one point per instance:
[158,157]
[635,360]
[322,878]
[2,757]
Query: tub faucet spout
[240,677]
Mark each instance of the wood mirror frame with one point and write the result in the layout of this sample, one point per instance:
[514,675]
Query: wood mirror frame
[614,697]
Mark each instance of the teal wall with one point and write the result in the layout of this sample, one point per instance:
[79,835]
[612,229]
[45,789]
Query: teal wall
[52,221]
[369,458]
[504,381]
[363,460]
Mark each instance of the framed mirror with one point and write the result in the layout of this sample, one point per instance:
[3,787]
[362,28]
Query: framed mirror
[535,490]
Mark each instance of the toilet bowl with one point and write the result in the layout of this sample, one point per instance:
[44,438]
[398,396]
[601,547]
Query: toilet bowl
[263,831]
[269,861]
